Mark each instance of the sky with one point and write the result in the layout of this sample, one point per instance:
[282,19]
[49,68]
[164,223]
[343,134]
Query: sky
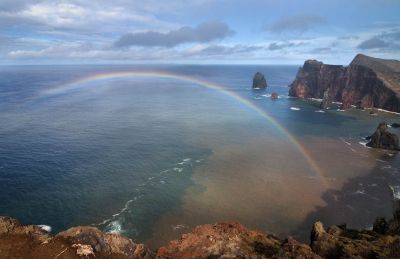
[196,31]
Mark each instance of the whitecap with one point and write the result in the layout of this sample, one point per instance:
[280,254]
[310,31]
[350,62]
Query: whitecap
[162,182]
[320,111]
[46,228]
[339,110]
[187,159]
[177,169]
[359,192]
[295,109]
[266,95]
[179,226]
[344,141]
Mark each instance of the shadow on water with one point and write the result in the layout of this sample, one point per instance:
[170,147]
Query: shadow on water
[358,203]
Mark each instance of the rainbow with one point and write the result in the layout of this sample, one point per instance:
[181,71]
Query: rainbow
[78,83]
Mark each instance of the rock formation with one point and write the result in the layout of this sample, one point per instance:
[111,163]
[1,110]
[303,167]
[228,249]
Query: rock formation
[232,240]
[382,138]
[326,100]
[340,242]
[222,240]
[366,82]
[259,81]
[18,241]
[274,96]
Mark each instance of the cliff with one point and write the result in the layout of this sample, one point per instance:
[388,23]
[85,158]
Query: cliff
[367,82]
[229,240]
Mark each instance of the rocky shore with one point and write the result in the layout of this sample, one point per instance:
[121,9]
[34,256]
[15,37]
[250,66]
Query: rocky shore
[367,82]
[229,240]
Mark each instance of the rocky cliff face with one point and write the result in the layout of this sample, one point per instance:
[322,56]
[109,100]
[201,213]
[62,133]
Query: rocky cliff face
[222,240]
[367,82]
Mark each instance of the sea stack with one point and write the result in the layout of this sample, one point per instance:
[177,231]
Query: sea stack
[367,82]
[382,138]
[259,81]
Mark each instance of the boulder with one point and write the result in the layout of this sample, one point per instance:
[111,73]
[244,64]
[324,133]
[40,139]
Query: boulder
[274,96]
[384,139]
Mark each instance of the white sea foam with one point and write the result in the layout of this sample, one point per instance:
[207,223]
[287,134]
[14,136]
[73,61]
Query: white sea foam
[266,95]
[46,228]
[320,111]
[339,110]
[162,182]
[187,159]
[382,110]
[363,143]
[177,169]
[316,99]
[114,227]
[295,109]
[395,191]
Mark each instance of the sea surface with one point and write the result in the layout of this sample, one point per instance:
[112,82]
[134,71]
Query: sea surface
[151,156]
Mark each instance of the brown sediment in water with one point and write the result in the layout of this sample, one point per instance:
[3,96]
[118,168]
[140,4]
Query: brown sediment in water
[259,186]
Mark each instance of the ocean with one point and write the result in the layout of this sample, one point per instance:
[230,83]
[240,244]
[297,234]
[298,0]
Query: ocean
[152,151]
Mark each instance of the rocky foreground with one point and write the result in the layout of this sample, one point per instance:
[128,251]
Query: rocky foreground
[227,240]
[367,82]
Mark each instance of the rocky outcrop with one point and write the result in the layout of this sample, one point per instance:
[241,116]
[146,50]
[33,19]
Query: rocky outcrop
[339,242]
[17,241]
[259,81]
[232,240]
[367,82]
[221,240]
[383,138]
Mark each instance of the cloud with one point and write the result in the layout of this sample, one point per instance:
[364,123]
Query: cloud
[373,43]
[300,23]
[205,32]
[284,45]
[222,50]
[383,41]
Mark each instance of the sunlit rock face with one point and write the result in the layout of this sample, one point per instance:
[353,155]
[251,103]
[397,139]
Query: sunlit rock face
[366,82]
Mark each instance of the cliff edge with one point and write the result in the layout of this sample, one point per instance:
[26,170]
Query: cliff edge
[221,240]
[367,82]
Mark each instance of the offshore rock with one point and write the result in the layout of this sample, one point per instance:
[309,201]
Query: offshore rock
[367,82]
[382,138]
[326,101]
[259,81]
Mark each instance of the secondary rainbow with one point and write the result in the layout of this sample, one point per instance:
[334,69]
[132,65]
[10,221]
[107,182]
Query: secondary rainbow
[80,83]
